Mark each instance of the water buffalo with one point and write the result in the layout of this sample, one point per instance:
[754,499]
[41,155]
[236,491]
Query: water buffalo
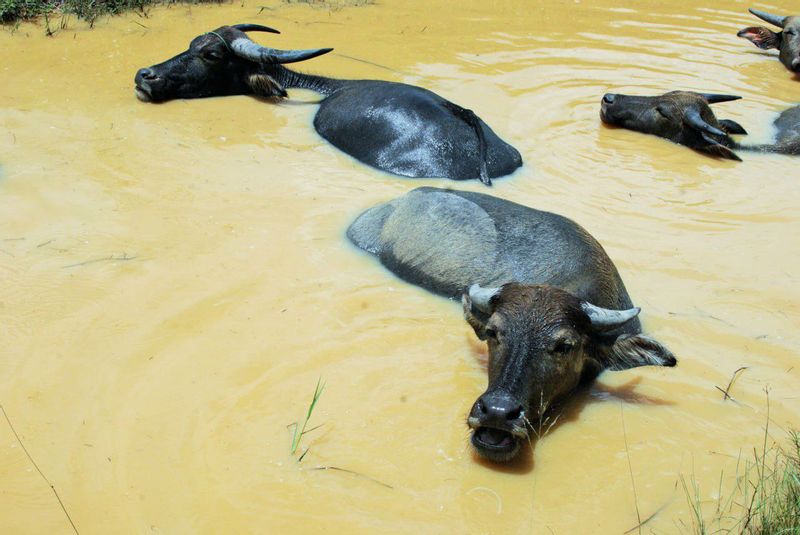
[686,118]
[787,41]
[398,128]
[680,116]
[536,286]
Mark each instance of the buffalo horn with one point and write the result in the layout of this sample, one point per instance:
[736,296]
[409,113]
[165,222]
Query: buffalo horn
[693,119]
[254,28]
[604,319]
[481,297]
[261,54]
[713,98]
[772,19]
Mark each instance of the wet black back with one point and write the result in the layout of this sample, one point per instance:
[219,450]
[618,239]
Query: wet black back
[410,131]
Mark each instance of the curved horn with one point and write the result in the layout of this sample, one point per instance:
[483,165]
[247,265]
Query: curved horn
[254,28]
[254,52]
[604,319]
[772,19]
[713,98]
[693,119]
[481,297]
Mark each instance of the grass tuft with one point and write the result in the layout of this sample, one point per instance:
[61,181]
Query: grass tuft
[765,499]
[299,430]
[15,11]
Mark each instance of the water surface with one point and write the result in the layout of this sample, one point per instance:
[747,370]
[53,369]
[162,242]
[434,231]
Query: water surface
[175,277]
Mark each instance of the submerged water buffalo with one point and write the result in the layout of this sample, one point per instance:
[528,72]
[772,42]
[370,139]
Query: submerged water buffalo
[536,286]
[680,116]
[398,128]
[686,118]
[787,41]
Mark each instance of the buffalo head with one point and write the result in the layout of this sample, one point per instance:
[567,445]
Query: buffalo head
[218,63]
[787,41]
[543,342]
[680,116]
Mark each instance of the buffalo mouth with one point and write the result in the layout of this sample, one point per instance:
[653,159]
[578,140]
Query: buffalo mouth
[495,444]
[143,93]
[604,114]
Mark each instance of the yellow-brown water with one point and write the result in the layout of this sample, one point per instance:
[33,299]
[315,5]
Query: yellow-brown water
[175,277]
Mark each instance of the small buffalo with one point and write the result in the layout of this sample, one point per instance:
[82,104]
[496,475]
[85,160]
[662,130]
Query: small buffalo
[686,118]
[536,286]
[787,41]
[394,127]
[680,116]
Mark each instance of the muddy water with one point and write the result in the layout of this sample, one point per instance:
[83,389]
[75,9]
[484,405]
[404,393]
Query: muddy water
[175,278]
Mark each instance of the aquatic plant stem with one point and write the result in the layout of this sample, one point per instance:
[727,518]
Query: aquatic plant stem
[30,458]
[299,431]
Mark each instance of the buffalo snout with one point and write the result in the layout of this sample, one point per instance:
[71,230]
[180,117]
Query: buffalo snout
[499,410]
[498,422]
[143,80]
[607,107]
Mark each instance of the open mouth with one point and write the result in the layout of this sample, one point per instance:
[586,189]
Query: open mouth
[143,94]
[495,444]
[603,112]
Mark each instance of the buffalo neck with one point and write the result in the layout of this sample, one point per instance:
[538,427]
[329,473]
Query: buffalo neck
[321,84]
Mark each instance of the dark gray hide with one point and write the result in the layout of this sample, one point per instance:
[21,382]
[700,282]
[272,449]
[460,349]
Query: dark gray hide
[788,127]
[686,118]
[787,137]
[446,240]
[683,117]
[542,293]
[787,41]
[397,128]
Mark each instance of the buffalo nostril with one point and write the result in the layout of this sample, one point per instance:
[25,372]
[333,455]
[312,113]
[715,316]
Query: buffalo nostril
[796,64]
[608,98]
[514,414]
[147,74]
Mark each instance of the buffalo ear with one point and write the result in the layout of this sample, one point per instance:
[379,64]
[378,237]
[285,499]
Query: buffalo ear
[763,38]
[634,350]
[266,86]
[732,127]
[476,318]
[479,304]
[721,151]
[717,149]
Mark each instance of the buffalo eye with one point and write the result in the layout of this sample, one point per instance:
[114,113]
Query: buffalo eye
[563,346]
[663,112]
[789,32]
[211,55]
[491,333]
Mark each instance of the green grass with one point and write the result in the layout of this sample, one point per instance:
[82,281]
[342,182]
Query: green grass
[300,430]
[18,10]
[59,11]
[15,11]
[765,499]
